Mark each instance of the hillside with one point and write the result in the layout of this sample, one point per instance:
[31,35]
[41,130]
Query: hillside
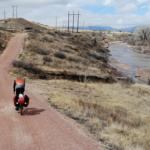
[109,28]
[63,55]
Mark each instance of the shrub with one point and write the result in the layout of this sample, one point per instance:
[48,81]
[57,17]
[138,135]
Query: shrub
[47,59]
[40,51]
[47,39]
[27,66]
[142,35]
[66,50]
[98,56]
[30,68]
[75,58]
[60,55]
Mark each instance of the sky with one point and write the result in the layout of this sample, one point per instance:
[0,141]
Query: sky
[115,13]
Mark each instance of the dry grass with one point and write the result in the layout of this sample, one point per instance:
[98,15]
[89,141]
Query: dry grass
[117,115]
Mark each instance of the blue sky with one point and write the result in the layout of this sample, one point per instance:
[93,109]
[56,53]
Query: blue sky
[115,13]
[137,9]
[100,9]
[142,10]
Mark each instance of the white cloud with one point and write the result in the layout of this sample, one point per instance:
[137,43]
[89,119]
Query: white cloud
[45,11]
[108,2]
[128,8]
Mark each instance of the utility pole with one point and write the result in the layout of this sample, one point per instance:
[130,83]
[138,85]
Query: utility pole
[4,14]
[73,22]
[56,22]
[68,21]
[16,11]
[78,22]
[13,11]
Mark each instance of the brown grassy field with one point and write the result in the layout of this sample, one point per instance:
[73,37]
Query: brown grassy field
[116,114]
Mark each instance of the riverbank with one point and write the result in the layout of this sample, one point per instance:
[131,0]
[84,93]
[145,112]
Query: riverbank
[130,62]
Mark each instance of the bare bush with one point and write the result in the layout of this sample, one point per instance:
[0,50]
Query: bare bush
[27,66]
[98,56]
[75,58]
[142,36]
[60,55]
[47,39]
[47,59]
[30,68]
[40,51]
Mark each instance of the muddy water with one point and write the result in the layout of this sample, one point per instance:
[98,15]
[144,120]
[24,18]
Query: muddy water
[130,62]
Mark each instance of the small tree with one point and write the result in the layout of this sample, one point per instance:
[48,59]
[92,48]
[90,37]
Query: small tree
[142,36]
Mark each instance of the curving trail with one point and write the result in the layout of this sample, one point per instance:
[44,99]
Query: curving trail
[41,128]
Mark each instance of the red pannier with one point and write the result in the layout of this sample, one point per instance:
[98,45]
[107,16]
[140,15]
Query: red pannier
[26,98]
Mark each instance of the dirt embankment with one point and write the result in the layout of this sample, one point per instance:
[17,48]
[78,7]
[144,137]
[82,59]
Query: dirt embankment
[58,55]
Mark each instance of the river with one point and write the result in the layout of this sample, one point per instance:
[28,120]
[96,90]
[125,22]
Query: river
[130,62]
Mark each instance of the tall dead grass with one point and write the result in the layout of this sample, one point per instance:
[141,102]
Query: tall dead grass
[118,116]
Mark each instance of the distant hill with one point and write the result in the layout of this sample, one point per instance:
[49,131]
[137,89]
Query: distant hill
[108,28]
[98,28]
[129,29]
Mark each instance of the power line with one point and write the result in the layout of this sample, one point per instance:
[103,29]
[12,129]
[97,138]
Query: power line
[73,22]
[14,11]
[68,20]
[78,22]
[4,14]
[56,22]
[76,17]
